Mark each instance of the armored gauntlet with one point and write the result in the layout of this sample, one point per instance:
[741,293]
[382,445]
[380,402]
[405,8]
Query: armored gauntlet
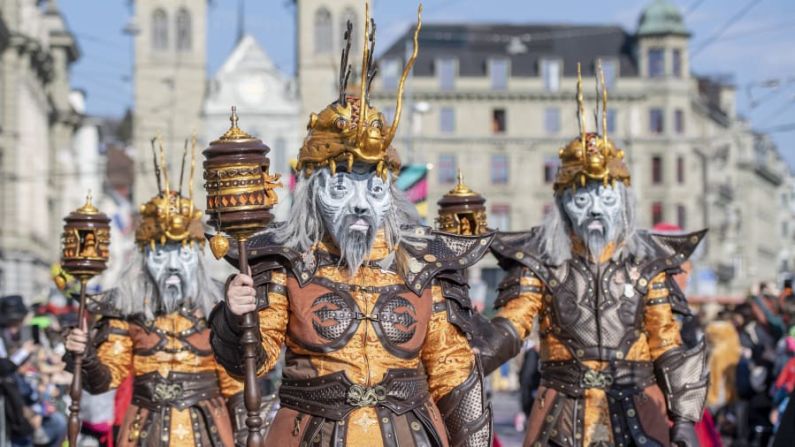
[684,378]
[467,412]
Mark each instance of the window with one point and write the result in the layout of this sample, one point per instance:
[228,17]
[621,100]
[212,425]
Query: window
[500,216]
[323,31]
[681,216]
[680,169]
[656,120]
[656,213]
[677,63]
[447,120]
[785,229]
[611,120]
[656,170]
[610,69]
[679,121]
[499,169]
[498,123]
[184,35]
[448,168]
[159,30]
[552,120]
[348,15]
[445,70]
[656,61]
[498,71]
[551,164]
[390,74]
[550,71]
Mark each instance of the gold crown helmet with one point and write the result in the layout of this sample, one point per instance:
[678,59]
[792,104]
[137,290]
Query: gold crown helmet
[168,216]
[350,130]
[591,156]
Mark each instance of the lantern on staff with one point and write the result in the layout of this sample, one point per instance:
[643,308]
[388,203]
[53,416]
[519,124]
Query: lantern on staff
[462,211]
[86,241]
[240,195]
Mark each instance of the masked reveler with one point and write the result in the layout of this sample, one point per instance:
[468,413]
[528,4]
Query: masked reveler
[612,363]
[372,307]
[153,326]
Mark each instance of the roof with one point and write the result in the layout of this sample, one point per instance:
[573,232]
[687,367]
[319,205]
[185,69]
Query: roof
[661,17]
[525,45]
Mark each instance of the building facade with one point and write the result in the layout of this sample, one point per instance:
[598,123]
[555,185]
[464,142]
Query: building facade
[498,101]
[266,101]
[170,80]
[37,122]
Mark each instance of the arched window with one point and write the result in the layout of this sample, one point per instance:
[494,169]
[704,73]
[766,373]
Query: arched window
[349,14]
[184,37]
[323,31]
[159,30]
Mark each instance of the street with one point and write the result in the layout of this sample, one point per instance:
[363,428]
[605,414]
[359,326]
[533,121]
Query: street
[505,406]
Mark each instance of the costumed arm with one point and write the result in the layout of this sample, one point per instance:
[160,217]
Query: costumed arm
[519,301]
[681,373]
[455,379]
[272,310]
[108,360]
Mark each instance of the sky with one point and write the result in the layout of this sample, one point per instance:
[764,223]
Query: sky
[752,41]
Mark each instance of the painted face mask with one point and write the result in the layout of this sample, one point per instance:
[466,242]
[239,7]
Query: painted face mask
[173,269]
[596,213]
[353,206]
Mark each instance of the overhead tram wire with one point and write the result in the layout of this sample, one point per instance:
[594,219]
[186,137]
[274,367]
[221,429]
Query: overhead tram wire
[693,6]
[734,19]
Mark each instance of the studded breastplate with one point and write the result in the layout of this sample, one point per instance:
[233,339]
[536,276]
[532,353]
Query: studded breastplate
[596,311]
[325,315]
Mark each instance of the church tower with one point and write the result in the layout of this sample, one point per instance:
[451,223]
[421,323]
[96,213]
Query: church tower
[320,29]
[170,75]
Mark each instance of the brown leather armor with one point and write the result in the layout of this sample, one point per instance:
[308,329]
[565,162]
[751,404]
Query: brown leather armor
[370,359]
[179,391]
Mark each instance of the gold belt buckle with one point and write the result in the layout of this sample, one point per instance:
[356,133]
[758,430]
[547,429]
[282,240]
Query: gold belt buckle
[360,396]
[596,379]
[165,392]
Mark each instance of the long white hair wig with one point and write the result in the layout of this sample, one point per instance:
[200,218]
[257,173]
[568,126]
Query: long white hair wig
[556,231]
[137,292]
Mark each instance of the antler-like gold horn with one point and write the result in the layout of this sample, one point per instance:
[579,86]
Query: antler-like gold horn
[406,70]
[580,106]
[604,104]
[363,96]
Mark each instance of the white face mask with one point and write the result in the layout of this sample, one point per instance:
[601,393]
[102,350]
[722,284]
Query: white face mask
[352,207]
[173,268]
[596,213]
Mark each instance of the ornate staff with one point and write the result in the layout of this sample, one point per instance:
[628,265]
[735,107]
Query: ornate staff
[86,238]
[239,198]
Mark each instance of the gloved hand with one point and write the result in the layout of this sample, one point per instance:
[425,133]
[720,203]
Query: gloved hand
[683,434]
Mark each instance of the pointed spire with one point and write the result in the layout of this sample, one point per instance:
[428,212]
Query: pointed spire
[241,20]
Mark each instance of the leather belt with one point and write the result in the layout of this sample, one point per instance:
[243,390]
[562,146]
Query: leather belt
[334,396]
[573,378]
[179,390]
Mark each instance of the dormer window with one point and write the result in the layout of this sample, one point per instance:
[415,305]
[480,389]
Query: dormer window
[445,71]
[499,73]
[550,72]
[610,69]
